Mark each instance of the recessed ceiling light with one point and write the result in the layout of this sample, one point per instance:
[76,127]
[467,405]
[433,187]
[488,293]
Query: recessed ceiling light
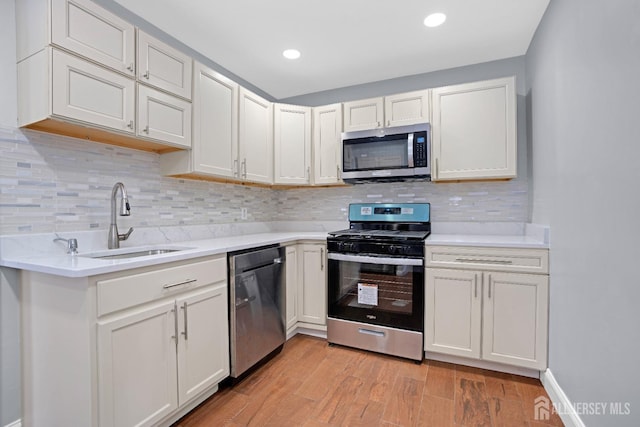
[435,19]
[291,54]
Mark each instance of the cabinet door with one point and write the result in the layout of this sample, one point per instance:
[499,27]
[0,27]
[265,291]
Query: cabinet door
[215,123]
[164,117]
[89,30]
[364,114]
[203,344]
[406,109]
[312,295]
[87,92]
[453,312]
[327,147]
[474,130]
[256,138]
[515,317]
[292,144]
[292,287]
[137,367]
[164,67]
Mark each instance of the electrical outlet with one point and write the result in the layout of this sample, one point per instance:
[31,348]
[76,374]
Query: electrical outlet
[243,213]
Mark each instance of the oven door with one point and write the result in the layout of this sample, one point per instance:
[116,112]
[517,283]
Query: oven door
[386,291]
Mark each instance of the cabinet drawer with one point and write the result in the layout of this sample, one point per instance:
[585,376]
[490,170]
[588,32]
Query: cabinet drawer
[483,258]
[128,291]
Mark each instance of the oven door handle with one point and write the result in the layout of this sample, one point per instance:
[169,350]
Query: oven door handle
[375,259]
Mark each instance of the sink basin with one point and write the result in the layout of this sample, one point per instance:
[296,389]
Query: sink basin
[133,254]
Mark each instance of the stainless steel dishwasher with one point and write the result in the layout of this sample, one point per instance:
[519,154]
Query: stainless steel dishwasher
[256,305]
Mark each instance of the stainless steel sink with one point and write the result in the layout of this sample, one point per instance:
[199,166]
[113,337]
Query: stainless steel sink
[133,254]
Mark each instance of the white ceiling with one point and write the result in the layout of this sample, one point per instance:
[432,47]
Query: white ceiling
[343,42]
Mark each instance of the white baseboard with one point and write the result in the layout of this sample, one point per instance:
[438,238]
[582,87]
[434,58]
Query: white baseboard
[16,423]
[569,417]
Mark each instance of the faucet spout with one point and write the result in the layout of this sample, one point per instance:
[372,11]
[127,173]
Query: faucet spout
[125,210]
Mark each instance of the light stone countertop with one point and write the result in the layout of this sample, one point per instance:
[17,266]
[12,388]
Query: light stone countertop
[82,265]
[60,264]
[493,241]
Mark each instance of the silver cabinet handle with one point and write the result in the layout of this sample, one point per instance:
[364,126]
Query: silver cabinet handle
[436,168]
[378,124]
[146,129]
[186,317]
[338,171]
[321,259]
[475,292]
[130,67]
[236,167]
[308,173]
[174,310]
[489,285]
[485,261]
[244,168]
[146,75]
[186,282]
[130,124]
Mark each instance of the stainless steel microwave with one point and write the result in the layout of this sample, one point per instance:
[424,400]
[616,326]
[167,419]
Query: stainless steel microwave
[389,154]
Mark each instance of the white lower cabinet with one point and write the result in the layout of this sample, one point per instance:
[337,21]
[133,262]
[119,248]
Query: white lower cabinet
[154,360]
[312,279]
[485,313]
[140,348]
[137,367]
[291,287]
[203,342]
[453,312]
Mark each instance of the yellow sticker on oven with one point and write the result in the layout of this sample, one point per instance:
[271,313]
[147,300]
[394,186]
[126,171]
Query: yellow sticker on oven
[367,294]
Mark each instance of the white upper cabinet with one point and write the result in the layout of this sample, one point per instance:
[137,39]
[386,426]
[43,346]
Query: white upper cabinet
[406,109]
[163,117]
[163,67]
[292,144]
[215,129]
[89,93]
[327,147]
[474,131]
[401,109]
[85,28]
[364,114]
[255,138]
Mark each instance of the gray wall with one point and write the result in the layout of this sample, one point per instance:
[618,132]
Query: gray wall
[583,70]
[9,307]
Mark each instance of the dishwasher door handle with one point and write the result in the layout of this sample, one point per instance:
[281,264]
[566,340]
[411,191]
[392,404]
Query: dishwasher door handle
[244,301]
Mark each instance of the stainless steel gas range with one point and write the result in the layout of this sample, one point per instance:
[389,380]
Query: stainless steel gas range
[376,279]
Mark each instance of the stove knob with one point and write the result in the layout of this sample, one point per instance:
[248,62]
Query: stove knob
[392,249]
[353,247]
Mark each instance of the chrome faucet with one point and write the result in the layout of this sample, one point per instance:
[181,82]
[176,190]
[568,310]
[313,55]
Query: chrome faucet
[125,210]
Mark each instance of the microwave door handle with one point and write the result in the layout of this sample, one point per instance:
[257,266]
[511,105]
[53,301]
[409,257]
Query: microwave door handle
[410,150]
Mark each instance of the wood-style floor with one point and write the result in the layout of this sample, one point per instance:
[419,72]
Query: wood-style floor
[313,384]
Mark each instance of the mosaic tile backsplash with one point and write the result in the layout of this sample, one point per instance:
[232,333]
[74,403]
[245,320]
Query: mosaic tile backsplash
[50,183]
